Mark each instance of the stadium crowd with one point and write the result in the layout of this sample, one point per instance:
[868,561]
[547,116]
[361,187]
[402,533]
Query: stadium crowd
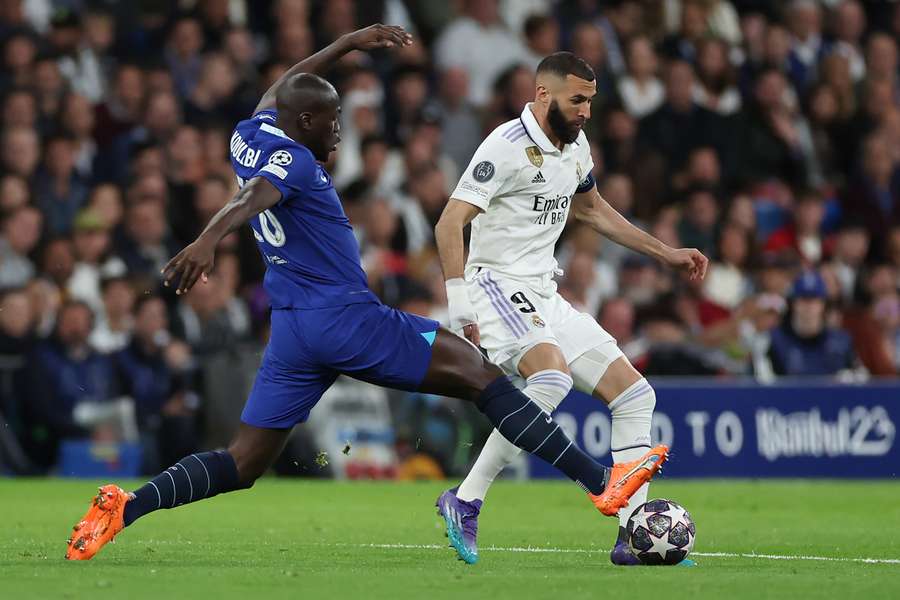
[764,133]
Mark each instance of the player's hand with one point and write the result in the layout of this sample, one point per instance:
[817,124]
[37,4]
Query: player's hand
[193,263]
[689,260]
[471,333]
[462,314]
[379,36]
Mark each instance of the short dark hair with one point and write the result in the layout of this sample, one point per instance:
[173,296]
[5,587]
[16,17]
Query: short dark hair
[566,63]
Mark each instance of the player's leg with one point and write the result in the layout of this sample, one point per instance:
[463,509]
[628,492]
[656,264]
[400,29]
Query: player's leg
[458,369]
[547,382]
[516,333]
[388,347]
[610,377]
[286,387]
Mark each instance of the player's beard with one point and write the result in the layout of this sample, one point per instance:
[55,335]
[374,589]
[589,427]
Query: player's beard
[566,131]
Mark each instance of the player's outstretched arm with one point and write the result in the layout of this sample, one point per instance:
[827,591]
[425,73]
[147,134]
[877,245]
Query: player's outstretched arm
[369,38]
[197,259]
[448,234]
[591,208]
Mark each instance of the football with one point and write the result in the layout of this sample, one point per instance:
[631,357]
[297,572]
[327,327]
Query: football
[661,532]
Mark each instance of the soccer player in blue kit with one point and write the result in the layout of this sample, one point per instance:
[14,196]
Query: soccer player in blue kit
[325,321]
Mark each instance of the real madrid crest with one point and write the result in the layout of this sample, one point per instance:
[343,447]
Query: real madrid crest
[534,155]
[538,322]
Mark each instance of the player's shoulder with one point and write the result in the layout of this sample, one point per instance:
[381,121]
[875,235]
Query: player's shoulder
[508,134]
[500,144]
[584,146]
[284,158]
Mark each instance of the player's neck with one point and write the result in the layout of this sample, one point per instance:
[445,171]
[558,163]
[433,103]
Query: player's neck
[540,115]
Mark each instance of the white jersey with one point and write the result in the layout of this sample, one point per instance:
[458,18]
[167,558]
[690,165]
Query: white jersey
[524,184]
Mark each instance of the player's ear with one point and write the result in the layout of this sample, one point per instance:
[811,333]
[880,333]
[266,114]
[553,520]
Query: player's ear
[304,121]
[543,95]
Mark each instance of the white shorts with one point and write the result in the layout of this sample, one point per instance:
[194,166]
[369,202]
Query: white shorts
[514,316]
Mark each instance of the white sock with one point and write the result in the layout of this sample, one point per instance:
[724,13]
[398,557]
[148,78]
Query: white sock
[546,389]
[632,413]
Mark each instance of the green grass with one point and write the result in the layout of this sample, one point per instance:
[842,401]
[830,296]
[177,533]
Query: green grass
[286,539]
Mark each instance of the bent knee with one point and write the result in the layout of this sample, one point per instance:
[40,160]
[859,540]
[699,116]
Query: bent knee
[250,464]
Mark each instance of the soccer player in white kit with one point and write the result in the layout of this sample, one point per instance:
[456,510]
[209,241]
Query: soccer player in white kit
[517,192]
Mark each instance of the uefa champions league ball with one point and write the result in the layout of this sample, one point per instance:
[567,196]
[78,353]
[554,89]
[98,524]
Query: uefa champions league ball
[661,532]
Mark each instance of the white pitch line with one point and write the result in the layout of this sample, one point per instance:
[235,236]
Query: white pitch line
[538,550]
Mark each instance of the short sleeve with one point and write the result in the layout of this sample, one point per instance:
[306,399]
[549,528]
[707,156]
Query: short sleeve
[487,175]
[587,182]
[290,169]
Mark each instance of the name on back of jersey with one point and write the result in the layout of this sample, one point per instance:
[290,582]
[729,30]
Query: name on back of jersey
[243,154]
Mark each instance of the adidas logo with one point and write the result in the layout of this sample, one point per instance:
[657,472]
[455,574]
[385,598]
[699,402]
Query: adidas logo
[539,178]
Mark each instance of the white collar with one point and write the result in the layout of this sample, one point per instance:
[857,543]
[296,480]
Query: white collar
[273,130]
[535,132]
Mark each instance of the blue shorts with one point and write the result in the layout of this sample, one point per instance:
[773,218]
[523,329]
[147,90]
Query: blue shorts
[309,348]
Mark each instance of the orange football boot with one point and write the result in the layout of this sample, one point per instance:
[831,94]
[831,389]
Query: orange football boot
[103,520]
[627,478]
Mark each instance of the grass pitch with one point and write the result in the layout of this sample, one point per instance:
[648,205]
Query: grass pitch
[288,539]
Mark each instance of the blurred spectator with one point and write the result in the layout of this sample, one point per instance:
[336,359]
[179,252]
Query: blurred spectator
[874,194]
[679,125]
[640,90]
[771,144]
[59,191]
[807,43]
[21,152]
[513,89]
[16,386]
[183,54]
[849,24]
[693,26]
[851,246]
[115,321]
[727,285]
[122,107]
[21,233]
[409,92]
[145,246]
[14,193]
[873,322]
[803,235]
[212,318]
[715,89]
[78,120]
[459,120]
[805,344]
[153,367]
[70,374]
[581,287]
[698,223]
[93,262]
[79,61]
[478,42]
[541,38]
[619,21]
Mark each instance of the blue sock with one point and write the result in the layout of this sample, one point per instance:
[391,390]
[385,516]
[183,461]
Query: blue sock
[523,423]
[193,478]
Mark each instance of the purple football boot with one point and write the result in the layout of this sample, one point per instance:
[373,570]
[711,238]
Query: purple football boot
[621,555]
[461,518]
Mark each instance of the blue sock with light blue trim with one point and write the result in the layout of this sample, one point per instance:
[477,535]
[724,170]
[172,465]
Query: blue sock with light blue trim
[524,424]
[194,477]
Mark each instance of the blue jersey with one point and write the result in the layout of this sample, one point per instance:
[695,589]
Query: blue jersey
[311,254]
